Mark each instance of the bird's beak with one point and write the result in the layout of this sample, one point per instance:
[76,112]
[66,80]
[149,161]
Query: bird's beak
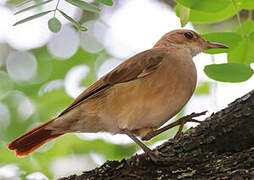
[212,45]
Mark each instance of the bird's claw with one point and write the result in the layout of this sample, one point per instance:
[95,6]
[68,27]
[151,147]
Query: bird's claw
[160,158]
[186,119]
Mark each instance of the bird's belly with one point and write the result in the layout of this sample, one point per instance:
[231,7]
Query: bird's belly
[139,104]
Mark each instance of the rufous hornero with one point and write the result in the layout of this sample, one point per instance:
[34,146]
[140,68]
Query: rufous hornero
[135,98]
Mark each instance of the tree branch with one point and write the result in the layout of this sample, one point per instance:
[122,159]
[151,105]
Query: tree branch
[221,148]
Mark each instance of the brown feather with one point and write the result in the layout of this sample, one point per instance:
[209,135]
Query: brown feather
[32,140]
[135,67]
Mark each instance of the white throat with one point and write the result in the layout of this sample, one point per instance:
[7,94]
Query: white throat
[193,50]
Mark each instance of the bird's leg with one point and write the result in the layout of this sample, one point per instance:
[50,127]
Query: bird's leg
[181,122]
[137,141]
[155,156]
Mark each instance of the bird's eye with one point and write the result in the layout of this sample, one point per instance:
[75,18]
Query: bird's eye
[188,35]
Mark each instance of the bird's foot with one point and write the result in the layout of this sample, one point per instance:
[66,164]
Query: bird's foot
[189,118]
[182,121]
[160,158]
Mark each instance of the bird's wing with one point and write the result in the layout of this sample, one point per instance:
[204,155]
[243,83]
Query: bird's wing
[138,66]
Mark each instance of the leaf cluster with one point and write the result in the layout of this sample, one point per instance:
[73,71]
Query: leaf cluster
[240,40]
[54,24]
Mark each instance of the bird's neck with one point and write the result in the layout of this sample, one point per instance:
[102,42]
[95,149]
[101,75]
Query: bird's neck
[162,43]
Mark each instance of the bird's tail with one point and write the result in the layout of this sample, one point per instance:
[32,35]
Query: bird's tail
[33,139]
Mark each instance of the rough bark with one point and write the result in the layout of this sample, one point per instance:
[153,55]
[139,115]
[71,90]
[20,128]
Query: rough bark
[221,148]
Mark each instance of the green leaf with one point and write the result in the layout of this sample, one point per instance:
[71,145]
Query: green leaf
[251,37]
[247,4]
[203,88]
[32,17]
[205,5]
[84,5]
[75,23]
[209,17]
[82,28]
[184,14]
[229,72]
[17,2]
[32,7]
[54,25]
[247,27]
[243,53]
[230,39]
[105,2]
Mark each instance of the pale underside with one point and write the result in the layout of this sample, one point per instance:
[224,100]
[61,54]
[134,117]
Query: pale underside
[140,98]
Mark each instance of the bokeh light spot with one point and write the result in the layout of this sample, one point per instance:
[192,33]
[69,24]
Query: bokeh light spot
[21,66]
[36,176]
[4,116]
[74,78]
[26,36]
[91,40]
[23,105]
[64,44]
[50,86]
[131,31]
[252,66]
[26,108]
[10,171]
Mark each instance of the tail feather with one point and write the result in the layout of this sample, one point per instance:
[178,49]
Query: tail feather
[33,139]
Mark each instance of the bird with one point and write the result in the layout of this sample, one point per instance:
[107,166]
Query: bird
[136,98]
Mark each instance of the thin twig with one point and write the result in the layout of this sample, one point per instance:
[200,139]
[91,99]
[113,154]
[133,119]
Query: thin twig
[250,14]
[237,13]
[58,1]
[238,17]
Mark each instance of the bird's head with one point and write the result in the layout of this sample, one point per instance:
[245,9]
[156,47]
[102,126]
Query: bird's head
[187,39]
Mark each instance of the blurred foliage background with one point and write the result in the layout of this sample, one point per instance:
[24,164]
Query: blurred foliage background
[41,72]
